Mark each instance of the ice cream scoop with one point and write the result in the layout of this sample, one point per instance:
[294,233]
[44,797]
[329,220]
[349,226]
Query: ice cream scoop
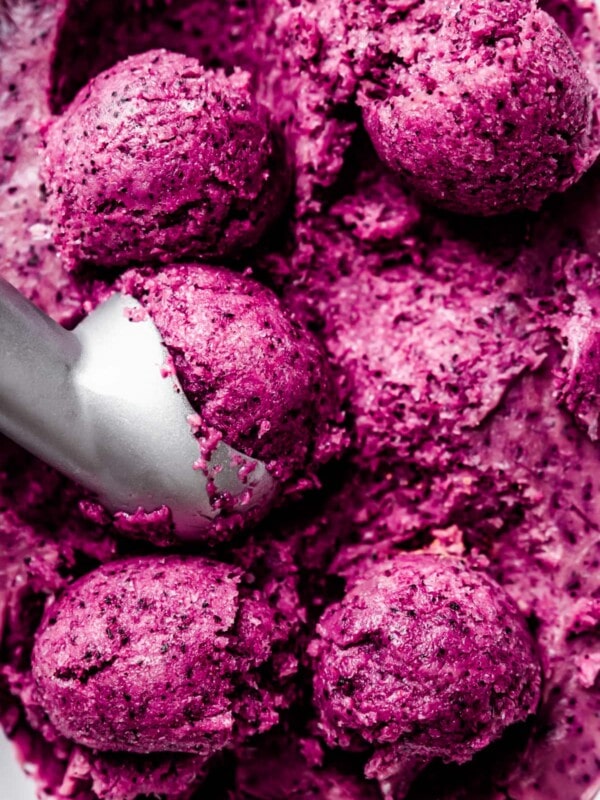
[158,159]
[423,658]
[167,654]
[102,405]
[490,113]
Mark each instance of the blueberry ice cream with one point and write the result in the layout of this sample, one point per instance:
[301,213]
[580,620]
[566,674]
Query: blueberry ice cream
[159,158]
[418,617]
[153,655]
[487,111]
[250,370]
[423,658]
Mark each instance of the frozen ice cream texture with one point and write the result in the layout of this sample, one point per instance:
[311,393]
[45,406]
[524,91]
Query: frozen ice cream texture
[159,654]
[159,158]
[253,373]
[463,356]
[486,108]
[130,435]
[423,658]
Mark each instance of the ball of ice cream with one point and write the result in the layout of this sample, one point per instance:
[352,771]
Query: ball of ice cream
[422,658]
[248,368]
[159,158]
[483,113]
[167,654]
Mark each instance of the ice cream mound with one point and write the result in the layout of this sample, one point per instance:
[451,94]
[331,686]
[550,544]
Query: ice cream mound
[159,158]
[496,465]
[40,556]
[485,109]
[160,655]
[250,369]
[422,658]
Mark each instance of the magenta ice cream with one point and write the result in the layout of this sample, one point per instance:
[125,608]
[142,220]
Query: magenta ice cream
[465,336]
[249,368]
[288,767]
[159,158]
[486,108]
[159,655]
[33,564]
[462,369]
[483,108]
[117,776]
[423,658]
[579,372]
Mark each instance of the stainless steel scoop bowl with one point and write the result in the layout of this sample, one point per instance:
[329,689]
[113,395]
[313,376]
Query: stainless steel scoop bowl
[101,405]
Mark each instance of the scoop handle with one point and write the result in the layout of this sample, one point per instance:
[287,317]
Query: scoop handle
[37,357]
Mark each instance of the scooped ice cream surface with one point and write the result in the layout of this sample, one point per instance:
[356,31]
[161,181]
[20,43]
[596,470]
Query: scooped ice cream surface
[423,658]
[250,369]
[486,110]
[465,352]
[159,654]
[159,158]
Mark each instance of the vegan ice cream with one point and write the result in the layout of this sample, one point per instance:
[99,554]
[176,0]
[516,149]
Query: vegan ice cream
[253,373]
[484,109]
[462,356]
[159,158]
[283,766]
[423,658]
[159,655]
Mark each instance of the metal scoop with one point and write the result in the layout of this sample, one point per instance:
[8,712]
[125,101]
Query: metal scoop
[100,404]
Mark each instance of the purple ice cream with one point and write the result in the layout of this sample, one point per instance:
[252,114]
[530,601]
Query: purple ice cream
[423,658]
[483,108]
[486,107]
[161,655]
[37,554]
[118,776]
[284,767]
[464,352]
[249,368]
[159,158]
[468,446]
[577,377]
